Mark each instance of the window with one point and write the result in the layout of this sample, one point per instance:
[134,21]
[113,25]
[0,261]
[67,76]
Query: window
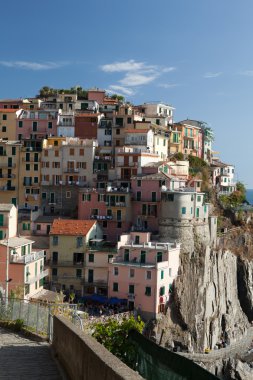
[143,257]
[199,198]
[109,258]
[131,273]
[170,197]
[27,167]
[55,240]
[13,151]
[183,210]
[38,227]
[116,271]
[162,291]
[91,257]
[162,274]
[137,239]
[79,241]
[56,153]
[126,255]
[138,196]
[44,195]
[131,289]
[153,196]
[54,271]
[148,291]
[35,125]
[159,257]
[50,125]
[20,124]
[129,120]
[139,182]
[4,117]
[104,223]
[68,194]
[119,224]
[4,129]
[148,275]
[117,131]
[78,273]
[36,167]
[71,151]
[115,287]
[170,272]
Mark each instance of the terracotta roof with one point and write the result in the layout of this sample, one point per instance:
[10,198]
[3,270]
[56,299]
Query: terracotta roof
[71,227]
[87,114]
[137,130]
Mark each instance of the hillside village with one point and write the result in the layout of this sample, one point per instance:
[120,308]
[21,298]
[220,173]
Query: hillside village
[95,193]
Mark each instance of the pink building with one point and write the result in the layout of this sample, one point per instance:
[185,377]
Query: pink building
[143,273]
[36,123]
[111,207]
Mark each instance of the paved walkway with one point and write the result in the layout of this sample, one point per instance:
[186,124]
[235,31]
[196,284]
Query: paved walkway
[238,348]
[23,359]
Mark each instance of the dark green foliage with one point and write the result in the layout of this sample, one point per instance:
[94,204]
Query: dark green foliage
[179,156]
[113,335]
[117,97]
[46,91]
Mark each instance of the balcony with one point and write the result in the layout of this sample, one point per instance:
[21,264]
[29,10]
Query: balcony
[98,283]
[7,165]
[72,170]
[7,175]
[31,280]
[26,259]
[102,158]
[54,263]
[101,217]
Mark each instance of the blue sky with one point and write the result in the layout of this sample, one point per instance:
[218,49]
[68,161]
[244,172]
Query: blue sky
[195,55]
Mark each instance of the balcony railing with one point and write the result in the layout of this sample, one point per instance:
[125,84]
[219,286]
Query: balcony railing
[77,264]
[100,283]
[7,165]
[26,259]
[31,280]
[72,170]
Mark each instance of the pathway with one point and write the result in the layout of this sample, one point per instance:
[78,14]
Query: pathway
[23,359]
[237,348]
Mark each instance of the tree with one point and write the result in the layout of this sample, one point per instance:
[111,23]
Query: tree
[120,98]
[113,335]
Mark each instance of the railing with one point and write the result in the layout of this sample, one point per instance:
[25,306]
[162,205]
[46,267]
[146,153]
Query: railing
[7,165]
[71,170]
[31,280]
[101,283]
[27,258]
[57,263]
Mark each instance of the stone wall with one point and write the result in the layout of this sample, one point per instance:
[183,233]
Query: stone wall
[83,358]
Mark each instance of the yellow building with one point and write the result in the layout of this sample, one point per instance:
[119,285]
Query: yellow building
[68,246]
[8,120]
[29,178]
[10,158]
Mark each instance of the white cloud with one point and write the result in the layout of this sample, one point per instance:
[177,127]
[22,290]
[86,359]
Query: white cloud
[123,90]
[137,79]
[168,85]
[212,75]
[248,73]
[35,66]
[168,69]
[134,74]
[130,65]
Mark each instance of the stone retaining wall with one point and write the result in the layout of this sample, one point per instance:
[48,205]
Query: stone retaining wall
[83,358]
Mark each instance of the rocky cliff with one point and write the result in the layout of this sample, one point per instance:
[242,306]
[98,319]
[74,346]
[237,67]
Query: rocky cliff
[213,296]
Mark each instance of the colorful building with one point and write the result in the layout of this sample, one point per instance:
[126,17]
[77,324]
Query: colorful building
[68,246]
[143,273]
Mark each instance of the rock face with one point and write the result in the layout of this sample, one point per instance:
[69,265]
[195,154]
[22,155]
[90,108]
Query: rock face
[206,297]
[245,286]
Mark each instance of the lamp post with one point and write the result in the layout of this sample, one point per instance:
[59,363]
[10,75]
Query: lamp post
[7,273]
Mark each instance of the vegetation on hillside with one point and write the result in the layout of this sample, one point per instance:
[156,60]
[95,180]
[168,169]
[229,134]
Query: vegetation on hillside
[113,335]
[236,198]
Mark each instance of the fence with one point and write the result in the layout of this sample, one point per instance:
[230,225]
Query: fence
[38,317]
